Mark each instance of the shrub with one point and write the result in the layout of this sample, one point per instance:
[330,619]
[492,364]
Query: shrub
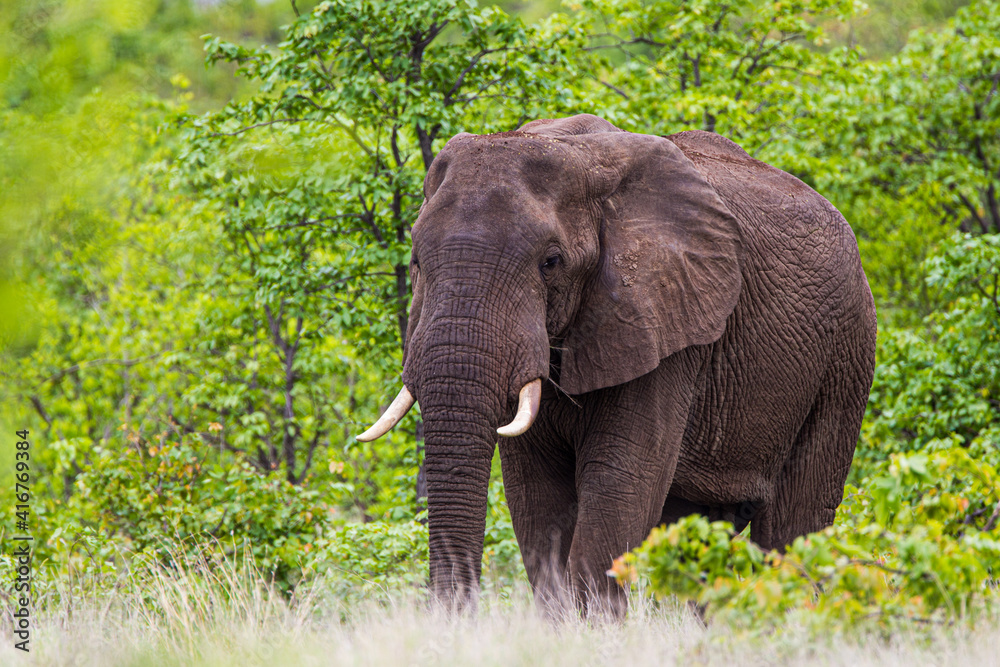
[168,495]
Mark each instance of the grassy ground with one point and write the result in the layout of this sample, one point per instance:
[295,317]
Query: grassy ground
[225,616]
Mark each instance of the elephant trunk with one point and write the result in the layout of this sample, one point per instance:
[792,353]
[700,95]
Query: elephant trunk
[460,420]
[465,394]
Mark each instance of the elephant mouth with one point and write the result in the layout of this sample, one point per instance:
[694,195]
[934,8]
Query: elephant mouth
[528,401]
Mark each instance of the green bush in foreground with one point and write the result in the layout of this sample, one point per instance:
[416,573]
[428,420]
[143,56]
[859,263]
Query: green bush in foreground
[848,576]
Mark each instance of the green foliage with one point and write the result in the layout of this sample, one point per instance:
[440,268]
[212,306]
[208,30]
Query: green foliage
[169,499]
[53,53]
[316,180]
[737,68]
[940,387]
[928,120]
[387,561]
[883,29]
[373,561]
[909,149]
[847,577]
[352,121]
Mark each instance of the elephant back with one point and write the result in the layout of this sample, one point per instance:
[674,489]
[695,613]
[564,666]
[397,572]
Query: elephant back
[795,239]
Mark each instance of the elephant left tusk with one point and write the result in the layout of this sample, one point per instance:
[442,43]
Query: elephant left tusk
[527,409]
[399,407]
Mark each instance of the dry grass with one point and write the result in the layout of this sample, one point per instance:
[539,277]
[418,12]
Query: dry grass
[225,615]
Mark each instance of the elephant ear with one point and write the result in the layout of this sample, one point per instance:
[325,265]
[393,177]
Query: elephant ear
[670,260]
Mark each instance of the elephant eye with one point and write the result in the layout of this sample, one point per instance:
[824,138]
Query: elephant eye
[551,262]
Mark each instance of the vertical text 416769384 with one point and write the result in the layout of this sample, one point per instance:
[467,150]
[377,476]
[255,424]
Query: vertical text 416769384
[22,542]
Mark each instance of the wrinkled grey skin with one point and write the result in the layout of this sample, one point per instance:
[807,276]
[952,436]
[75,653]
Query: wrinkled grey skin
[701,321]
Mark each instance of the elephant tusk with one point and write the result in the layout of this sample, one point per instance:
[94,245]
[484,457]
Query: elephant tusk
[527,409]
[399,407]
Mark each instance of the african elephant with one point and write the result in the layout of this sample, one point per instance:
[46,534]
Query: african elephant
[672,326]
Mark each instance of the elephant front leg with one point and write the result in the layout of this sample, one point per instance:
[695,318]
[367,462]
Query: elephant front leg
[626,461]
[541,493]
[616,511]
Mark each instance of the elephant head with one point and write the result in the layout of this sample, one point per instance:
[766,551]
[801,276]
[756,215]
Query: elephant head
[567,251]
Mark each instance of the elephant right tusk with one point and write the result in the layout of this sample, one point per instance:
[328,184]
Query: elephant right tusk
[399,407]
[527,409]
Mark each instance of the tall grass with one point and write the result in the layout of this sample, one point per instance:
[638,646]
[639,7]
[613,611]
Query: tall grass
[225,612]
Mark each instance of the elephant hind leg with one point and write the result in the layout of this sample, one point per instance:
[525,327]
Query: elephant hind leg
[738,514]
[810,487]
[676,508]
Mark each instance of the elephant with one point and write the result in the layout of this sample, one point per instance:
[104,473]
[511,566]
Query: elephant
[654,326]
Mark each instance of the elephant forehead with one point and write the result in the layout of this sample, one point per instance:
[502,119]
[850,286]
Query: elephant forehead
[491,210]
[546,167]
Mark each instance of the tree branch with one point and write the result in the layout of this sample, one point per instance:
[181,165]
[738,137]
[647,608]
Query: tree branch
[40,409]
[256,125]
[975,212]
[615,89]
[992,523]
[461,77]
[96,362]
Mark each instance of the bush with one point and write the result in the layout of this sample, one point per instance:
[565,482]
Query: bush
[379,561]
[847,577]
[169,496]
